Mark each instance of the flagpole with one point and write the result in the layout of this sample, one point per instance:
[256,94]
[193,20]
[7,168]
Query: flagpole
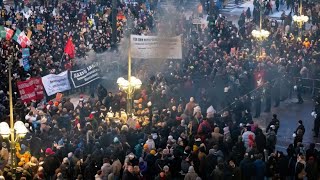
[61,59]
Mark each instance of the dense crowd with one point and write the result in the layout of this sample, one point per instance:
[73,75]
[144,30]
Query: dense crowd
[192,121]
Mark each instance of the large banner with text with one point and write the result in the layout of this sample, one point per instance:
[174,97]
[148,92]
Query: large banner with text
[85,76]
[30,90]
[154,47]
[56,83]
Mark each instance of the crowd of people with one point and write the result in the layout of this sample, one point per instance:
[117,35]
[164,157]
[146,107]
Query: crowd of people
[191,121]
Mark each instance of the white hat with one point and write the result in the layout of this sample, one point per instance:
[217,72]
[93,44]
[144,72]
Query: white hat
[273,127]
[65,160]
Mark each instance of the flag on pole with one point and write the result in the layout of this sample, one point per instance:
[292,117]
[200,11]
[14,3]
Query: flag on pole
[6,33]
[69,48]
[21,38]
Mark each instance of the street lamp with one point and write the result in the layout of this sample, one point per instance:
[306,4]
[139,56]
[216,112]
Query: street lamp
[300,19]
[261,34]
[17,129]
[130,85]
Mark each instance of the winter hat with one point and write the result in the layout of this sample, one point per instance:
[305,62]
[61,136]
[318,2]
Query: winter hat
[115,140]
[154,135]
[166,168]
[124,128]
[48,151]
[145,146]
[65,160]
[191,169]
[153,152]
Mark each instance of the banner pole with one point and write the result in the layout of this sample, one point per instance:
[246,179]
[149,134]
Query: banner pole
[61,60]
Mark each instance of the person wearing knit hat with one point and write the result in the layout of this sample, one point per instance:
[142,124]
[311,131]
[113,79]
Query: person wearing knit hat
[153,152]
[191,175]
[49,152]
[50,163]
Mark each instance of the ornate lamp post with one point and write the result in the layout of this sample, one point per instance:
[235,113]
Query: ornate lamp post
[261,34]
[300,19]
[16,130]
[130,85]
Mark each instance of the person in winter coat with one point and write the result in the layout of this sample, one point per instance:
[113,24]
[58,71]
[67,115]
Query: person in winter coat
[274,122]
[191,175]
[65,170]
[106,168]
[218,173]
[216,137]
[204,128]
[271,139]
[128,174]
[189,107]
[50,164]
[260,167]
[300,172]
[232,171]
[116,167]
[150,142]
[102,92]
[260,140]
[248,137]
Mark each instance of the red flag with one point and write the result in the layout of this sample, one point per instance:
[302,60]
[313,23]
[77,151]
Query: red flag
[70,49]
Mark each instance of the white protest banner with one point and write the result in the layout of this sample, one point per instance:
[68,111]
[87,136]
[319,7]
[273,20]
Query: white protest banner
[53,83]
[154,47]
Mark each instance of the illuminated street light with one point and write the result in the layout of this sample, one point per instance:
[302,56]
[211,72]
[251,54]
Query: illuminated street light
[16,130]
[130,85]
[300,19]
[261,34]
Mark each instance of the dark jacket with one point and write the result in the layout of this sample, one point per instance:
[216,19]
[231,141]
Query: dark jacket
[51,163]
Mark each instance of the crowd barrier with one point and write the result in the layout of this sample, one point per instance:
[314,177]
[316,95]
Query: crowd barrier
[309,84]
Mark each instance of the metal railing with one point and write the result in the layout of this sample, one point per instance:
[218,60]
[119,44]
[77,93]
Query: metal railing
[309,83]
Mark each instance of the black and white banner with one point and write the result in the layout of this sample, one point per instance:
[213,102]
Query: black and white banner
[86,75]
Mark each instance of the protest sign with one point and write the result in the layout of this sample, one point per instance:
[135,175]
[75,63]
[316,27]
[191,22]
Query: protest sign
[85,76]
[53,83]
[153,47]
